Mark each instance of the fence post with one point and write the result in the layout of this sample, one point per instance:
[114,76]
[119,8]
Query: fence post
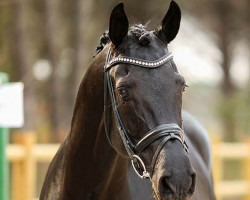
[4,137]
[246,170]
[217,166]
[24,172]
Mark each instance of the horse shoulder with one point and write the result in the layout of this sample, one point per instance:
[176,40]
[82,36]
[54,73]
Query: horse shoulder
[53,182]
[198,137]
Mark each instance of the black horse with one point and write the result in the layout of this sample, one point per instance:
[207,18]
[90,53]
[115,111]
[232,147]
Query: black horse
[129,108]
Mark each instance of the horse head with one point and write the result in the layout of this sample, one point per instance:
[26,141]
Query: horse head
[145,89]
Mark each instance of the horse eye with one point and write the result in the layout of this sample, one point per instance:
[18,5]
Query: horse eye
[184,88]
[122,92]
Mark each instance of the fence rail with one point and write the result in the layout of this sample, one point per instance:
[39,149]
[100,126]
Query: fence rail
[231,151]
[40,152]
[25,153]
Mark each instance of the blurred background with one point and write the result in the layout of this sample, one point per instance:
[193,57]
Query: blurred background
[48,45]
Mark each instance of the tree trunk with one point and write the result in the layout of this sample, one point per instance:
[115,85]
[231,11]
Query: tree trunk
[248,88]
[83,10]
[224,30]
[24,59]
[53,37]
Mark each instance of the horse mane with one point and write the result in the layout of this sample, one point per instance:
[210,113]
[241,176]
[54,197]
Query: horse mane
[138,31]
[104,39]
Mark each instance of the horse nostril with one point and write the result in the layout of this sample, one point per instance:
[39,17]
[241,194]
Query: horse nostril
[172,187]
[192,187]
[167,188]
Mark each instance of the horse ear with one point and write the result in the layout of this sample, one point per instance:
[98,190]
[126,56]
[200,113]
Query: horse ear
[118,25]
[170,24]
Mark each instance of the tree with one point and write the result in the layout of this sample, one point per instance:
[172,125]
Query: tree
[53,41]
[24,58]
[220,17]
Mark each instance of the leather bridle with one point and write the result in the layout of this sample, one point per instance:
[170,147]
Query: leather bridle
[165,132]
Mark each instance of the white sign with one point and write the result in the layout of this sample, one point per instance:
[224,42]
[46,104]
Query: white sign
[11,105]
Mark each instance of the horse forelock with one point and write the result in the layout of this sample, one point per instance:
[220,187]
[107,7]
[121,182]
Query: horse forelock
[138,32]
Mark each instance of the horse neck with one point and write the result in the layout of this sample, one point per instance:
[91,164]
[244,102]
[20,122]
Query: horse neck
[92,166]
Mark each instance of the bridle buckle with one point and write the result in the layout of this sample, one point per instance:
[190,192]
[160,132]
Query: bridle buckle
[136,160]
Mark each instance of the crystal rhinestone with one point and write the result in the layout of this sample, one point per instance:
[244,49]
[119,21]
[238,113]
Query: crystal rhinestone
[139,62]
[130,60]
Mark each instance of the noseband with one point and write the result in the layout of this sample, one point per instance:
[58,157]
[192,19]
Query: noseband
[165,132]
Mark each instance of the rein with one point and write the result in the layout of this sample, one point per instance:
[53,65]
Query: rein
[165,131]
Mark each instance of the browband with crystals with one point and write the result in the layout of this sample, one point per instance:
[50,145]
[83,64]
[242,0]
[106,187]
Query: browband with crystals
[139,62]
